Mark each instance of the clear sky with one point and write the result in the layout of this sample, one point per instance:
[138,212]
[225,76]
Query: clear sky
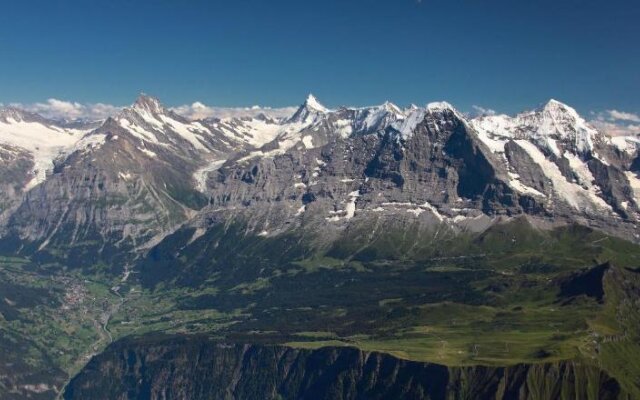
[506,55]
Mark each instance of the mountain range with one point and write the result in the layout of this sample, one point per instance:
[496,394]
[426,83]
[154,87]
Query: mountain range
[143,173]
[486,257]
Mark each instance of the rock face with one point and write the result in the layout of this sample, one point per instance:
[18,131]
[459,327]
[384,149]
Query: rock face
[148,171]
[554,152]
[15,164]
[197,368]
[433,164]
[118,186]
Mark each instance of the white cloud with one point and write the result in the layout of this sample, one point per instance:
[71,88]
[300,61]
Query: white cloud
[61,109]
[616,129]
[616,123]
[68,110]
[623,116]
[478,111]
[199,110]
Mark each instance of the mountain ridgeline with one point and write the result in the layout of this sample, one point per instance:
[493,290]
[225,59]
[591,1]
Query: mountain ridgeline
[146,172]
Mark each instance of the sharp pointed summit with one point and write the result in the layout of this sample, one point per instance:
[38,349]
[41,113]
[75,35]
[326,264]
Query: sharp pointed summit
[313,103]
[555,107]
[148,103]
[309,109]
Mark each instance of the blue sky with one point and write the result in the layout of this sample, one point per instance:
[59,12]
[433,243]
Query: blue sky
[506,55]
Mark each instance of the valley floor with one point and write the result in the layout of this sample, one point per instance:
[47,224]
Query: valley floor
[515,306]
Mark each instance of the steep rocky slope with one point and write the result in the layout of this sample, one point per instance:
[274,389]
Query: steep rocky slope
[431,164]
[119,186]
[29,145]
[192,368]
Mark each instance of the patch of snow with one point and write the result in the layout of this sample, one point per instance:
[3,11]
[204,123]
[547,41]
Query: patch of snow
[495,143]
[351,205]
[517,184]
[434,210]
[344,127]
[349,211]
[628,144]
[202,174]
[44,142]
[426,206]
[90,141]
[186,131]
[308,142]
[573,194]
[149,153]
[408,125]
[634,182]
[138,132]
[415,211]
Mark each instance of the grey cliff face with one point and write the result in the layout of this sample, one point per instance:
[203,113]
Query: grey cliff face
[15,165]
[147,171]
[442,171]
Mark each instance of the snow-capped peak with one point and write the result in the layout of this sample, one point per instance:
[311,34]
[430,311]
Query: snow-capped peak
[558,109]
[557,120]
[555,104]
[439,105]
[549,126]
[148,103]
[309,110]
[312,103]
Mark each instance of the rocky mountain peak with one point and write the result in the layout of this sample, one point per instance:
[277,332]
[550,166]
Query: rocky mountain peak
[312,103]
[310,109]
[559,121]
[559,111]
[550,125]
[392,108]
[554,105]
[148,103]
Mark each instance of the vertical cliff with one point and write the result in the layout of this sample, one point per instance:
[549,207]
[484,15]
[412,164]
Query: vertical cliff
[197,368]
